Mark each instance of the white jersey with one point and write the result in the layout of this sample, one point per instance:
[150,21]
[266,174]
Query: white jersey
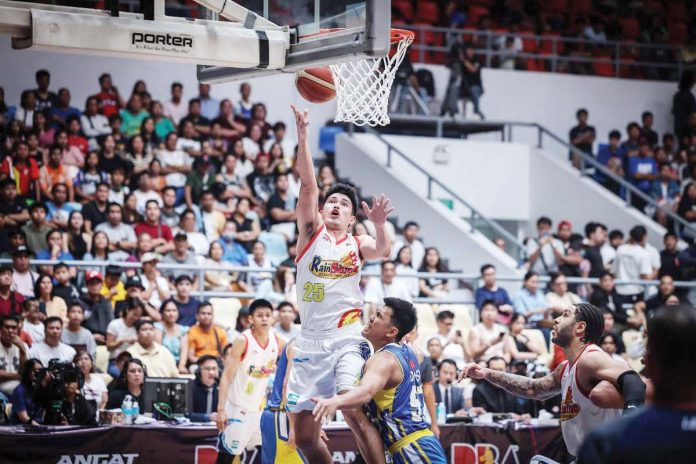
[328,282]
[248,388]
[579,415]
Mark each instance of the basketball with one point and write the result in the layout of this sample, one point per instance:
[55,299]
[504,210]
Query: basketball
[316,85]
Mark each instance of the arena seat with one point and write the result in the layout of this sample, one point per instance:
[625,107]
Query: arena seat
[462,315]
[630,28]
[405,8]
[428,12]
[225,311]
[101,360]
[678,32]
[276,248]
[537,336]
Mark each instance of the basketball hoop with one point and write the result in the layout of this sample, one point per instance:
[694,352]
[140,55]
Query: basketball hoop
[363,87]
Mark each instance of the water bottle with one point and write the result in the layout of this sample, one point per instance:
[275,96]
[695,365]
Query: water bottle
[127,408]
[441,414]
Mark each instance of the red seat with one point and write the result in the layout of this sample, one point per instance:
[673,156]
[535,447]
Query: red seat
[535,65]
[428,12]
[630,28]
[677,32]
[603,68]
[405,9]
[475,12]
[557,6]
[431,37]
[678,11]
[654,7]
[546,46]
[581,6]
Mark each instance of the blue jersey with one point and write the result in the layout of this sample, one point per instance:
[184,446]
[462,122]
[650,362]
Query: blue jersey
[275,398]
[399,411]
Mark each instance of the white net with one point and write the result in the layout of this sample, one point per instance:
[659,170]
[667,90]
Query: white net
[363,87]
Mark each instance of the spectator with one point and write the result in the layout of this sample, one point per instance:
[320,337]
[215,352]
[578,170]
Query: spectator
[162,239]
[110,157]
[231,126]
[683,104]
[188,140]
[13,355]
[71,156]
[76,336]
[200,179]
[22,171]
[596,237]
[281,209]
[405,268]
[409,238]
[135,293]
[665,190]
[259,261]
[608,153]
[595,32]
[10,300]
[608,343]
[472,87]
[202,339]
[96,211]
[33,318]
[245,104]
[559,298]
[98,310]
[76,239]
[446,390]
[51,347]
[93,124]
[517,344]
[15,238]
[129,382]
[531,302]
[571,259]
[62,112]
[212,219]
[99,250]
[248,229]
[176,164]
[62,287]
[93,388]
[386,286]
[132,116]
[199,123]
[113,289]
[494,399]
[630,146]
[260,181]
[55,172]
[58,208]
[616,239]
[180,255]
[170,213]
[108,98]
[491,291]
[169,333]
[642,171]
[219,277]
[209,105]
[53,250]
[163,125]
[121,236]
[156,286]
[23,278]
[146,190]
[49,304]
[197,240]
[486,338]
[186,304]
[453,345]
[25,114]
[582,136]
[24,409]
[158,361]
[435,348]
[669,257]
[286,327]
[205,390]
[433,287]
[633,263]
[175,109]
[647,129]
[544,252]
[280,137]
[606,297]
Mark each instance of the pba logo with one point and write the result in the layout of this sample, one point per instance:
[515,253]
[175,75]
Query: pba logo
[483,453]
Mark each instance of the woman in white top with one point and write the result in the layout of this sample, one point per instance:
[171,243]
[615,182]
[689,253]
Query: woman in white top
[196,239]
[486,339]
[94,388]
[25,112]
[244,165]
[404,268]
[220,279]
[559,298]
[253,141]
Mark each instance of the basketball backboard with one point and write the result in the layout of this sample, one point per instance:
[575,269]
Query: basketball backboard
[322,32]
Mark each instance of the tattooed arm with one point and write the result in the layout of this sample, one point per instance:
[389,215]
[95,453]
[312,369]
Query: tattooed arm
[537,389]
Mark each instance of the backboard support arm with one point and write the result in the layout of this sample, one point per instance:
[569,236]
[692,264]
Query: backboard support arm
[235,12]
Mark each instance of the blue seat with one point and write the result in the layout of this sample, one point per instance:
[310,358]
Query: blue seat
[276,248]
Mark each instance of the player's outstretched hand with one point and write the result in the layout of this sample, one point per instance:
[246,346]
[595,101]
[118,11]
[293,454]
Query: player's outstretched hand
[325,409]
[473,371]
[379,211]
[301,121]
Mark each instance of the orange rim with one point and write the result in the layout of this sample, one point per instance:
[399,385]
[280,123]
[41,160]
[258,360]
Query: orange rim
[397,35]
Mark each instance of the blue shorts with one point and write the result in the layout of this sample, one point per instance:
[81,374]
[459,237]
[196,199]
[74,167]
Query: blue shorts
[425,450]
[275,428]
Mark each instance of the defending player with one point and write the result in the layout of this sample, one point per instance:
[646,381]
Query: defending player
[328,357]
[248,365]
[580,379]
[278,447]
[391,386]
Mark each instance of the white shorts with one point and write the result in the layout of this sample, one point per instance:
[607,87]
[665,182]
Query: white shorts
[243,430]
[324,364]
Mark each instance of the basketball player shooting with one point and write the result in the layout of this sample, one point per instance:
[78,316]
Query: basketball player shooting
[328,356]
[586,380]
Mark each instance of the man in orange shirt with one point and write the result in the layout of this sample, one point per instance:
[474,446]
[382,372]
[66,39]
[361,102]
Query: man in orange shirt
[203,338]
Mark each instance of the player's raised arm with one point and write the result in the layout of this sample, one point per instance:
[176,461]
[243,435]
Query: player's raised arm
[378,370]
[536,389]
[380,247]
[307,208]
[232,362]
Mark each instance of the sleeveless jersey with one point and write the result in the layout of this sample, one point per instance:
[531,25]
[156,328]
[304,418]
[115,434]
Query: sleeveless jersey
[275,398]
[579,415]
[328,278]
[399,411]
[248,388]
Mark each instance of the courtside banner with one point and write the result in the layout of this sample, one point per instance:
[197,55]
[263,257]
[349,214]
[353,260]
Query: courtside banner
[196,445]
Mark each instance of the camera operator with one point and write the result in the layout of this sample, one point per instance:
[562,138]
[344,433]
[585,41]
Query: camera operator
[59,393]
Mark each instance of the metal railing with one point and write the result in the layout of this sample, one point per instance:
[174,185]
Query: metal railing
[586,159]
[475,216]
[550,49]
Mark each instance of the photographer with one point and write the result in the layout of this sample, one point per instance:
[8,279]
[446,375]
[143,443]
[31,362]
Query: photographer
[59,394]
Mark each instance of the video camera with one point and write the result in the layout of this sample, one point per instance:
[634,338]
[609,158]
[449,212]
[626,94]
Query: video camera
[53,394]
